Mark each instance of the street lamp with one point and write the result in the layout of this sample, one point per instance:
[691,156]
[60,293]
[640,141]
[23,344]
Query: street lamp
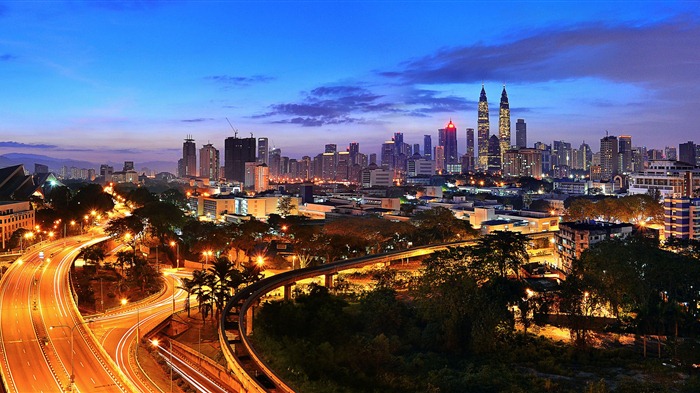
[155,342]
[177,258]
[206,254]
[72,330]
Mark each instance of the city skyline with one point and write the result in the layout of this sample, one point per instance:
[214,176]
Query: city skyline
[130,80]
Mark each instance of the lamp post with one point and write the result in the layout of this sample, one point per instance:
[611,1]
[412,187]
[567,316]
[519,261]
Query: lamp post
[155,342]
[207,254]
[72,330]
[177,247]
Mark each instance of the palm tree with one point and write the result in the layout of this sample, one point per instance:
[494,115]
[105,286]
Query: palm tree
[224,278]
[94,253]
[188,285]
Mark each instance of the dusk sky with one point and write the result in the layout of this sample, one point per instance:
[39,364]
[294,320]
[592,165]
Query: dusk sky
[129,80]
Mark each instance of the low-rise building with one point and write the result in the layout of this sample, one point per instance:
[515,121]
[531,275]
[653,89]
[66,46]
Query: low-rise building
[670,178]
[574,238]
[15,215]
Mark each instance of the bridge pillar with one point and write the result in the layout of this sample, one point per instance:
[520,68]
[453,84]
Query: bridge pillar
[328,283]
[249,320]
[288,291]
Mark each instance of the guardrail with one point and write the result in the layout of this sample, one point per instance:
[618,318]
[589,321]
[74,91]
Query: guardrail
[247,297]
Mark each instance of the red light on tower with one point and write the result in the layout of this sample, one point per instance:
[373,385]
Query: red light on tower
[450,124]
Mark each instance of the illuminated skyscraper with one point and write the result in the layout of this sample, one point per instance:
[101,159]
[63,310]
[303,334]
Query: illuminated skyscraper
[504,123]
[483,130]
[448,140]
[470,151]
[494,154]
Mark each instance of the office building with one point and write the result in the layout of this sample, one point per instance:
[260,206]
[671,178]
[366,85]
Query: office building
[520,133]
[574,238]
[670,153]
[263,150]
[189,159]
[440,159]
[238,151]
[669,178]
[262,178]
[494,154]
[624,152]
[448,140]
[354,149]
[427,147]
[686,153]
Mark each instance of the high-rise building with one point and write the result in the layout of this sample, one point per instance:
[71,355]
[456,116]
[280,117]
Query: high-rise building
[189,158]
[655,154]
[416,149]
[209,162]
[262,178]
[504,123]
[682,217]
[521,133]
[624,151]
[670,153]
[331,148]
[237,151]
[494,156]
[686,152]
[387,155]
[585,156]
[523,162]
[354,149]
[561,154]
[483,130]
[608,157]
[468,161]
[440,159]
[275,163]
[128,166]
[263,150]
[448,140]
[427,147]
[639,158]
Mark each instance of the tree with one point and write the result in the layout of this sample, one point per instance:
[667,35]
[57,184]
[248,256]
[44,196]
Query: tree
[95,253]
[500,254]
[188,286]
[439,225]
[223,278]
[285,206]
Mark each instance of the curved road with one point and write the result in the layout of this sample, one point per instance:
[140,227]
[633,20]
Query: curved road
[39,318]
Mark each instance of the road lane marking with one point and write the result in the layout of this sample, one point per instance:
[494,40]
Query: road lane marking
[81,365]
[93,381]
[34,376]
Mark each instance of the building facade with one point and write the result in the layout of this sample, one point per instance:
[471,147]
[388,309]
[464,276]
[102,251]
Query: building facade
[504,123]
[574,238]
[483,131]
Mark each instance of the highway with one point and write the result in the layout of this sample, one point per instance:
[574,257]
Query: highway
[39,319]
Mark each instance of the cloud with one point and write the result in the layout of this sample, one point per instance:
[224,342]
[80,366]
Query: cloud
[431,101]
[648,54]
[7,57]
[330,105]
[20,145]
[197,120]
[229,81]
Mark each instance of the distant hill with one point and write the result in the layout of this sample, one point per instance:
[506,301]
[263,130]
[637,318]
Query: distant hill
[55,164]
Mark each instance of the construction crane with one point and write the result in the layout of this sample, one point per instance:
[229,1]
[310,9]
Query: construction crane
[235,131]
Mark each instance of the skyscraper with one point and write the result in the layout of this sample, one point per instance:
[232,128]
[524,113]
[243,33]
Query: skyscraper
[354,149]
[624,150]
[686,152]
[416,149]
[470,151]
[331,148]
[427,147]
[263,150]
[209,162]
[189,158]
[521,133]
[237,151]
[504,123]
[483,130]
[448,141]
[586,155]
[494,154]
[608,157]
[670,153]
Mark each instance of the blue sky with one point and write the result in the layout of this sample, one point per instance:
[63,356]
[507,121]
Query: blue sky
[129,80]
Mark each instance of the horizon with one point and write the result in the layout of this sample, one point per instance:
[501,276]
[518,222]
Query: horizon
[118,81]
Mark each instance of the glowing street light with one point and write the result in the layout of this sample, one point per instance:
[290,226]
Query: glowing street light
[206,254]
[175,244]
[155,343]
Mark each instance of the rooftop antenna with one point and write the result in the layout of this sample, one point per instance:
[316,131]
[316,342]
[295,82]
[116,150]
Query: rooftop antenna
[235,131]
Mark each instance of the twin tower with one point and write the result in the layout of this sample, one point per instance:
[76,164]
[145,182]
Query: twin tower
[483,129]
